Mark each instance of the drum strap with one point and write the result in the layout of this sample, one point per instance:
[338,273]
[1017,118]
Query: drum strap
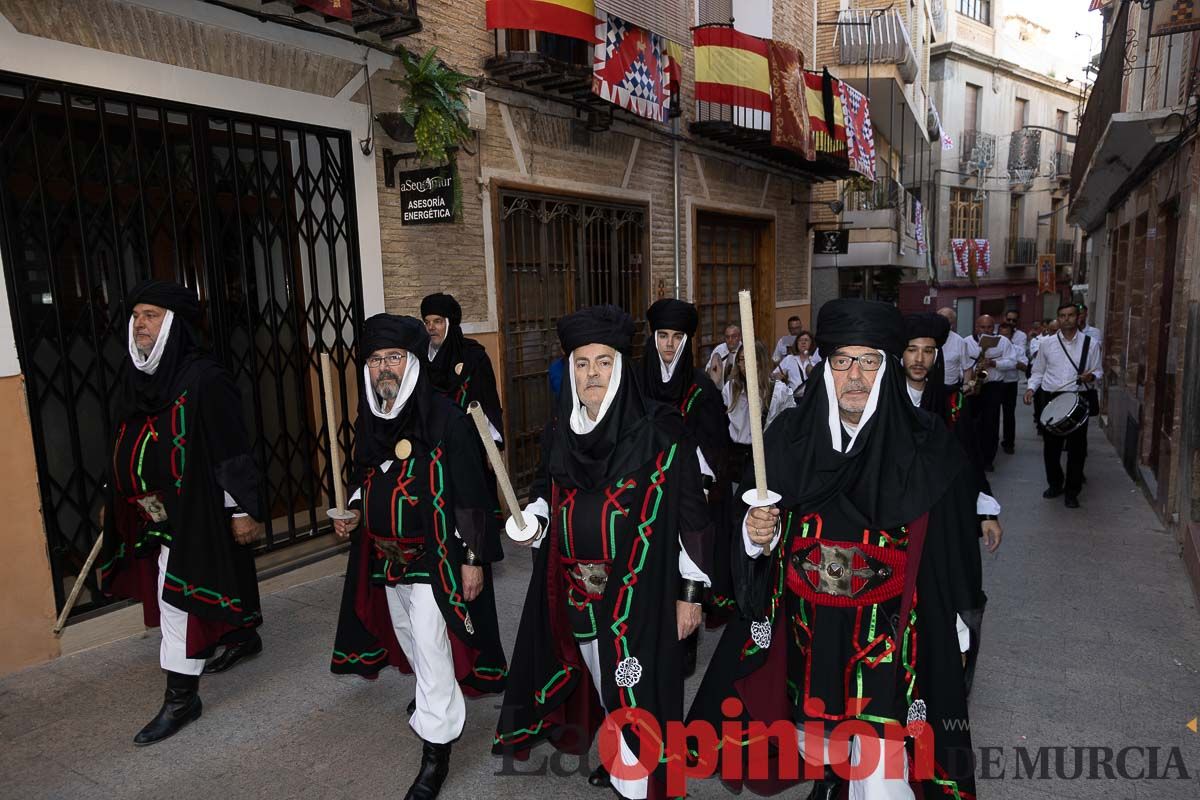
[1087,344]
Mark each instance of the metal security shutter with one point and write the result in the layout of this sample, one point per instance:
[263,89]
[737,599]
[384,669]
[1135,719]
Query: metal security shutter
[667,18]
[715,11]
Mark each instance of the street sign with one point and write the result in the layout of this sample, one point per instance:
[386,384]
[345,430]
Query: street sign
[831,242]
[426,196]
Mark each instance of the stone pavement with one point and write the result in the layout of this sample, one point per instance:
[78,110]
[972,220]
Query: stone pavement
[1091,639]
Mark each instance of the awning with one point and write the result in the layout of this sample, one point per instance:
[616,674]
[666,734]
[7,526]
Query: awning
[1132,143]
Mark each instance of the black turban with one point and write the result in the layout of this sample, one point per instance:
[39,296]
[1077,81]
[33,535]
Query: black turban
[384,331]
[860,323]
[166,294]
[442,305]
[607,325]
[927,326]
[674,315]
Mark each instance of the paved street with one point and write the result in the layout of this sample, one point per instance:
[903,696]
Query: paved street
[1091,639]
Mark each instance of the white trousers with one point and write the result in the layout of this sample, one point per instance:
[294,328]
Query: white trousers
[421,630]
[172,653]
[874,786]
[634,790]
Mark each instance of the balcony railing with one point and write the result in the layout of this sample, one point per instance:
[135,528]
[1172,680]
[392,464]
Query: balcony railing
[882,194]
[867,38]
[1064,252]
[1021,252]
[1063,163]
[978,149]
[547,62]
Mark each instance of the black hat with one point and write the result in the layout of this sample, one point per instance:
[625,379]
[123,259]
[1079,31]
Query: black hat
[608,325]
[442,305]
[861,323]
[392,330]
[674,315]
[927,326]
[168,295]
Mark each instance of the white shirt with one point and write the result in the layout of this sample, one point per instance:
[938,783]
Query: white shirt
[960,354]
[793,367]
[1021,341]
[1005,356]
[739,415]
[1013,374]
[782,347]
[1053,370]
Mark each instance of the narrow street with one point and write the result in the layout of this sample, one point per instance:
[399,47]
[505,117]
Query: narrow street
[1091,640]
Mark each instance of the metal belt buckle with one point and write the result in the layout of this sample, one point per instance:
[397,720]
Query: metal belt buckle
[592,576]
[150,505]
[835,573]
[396,551]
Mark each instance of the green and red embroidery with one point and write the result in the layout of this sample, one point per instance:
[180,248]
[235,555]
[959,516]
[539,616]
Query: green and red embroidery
[366,659]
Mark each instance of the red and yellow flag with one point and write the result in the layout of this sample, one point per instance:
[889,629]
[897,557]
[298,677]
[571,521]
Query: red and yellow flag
[732,68]
[330,8]
[574,18]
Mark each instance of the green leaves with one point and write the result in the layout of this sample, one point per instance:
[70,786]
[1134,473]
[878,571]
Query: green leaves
[434,104]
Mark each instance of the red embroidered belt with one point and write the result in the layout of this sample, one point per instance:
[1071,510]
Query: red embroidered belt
[399,550]
[845,574]
[589,578]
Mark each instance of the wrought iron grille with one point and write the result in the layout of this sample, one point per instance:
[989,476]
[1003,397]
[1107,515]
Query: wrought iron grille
[100,190]
[559,255]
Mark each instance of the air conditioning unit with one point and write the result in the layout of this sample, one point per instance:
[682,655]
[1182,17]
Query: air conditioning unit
[476,109]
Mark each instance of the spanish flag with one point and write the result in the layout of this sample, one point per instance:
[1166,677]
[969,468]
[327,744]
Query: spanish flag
[732,68]
[574,18]
[825,105]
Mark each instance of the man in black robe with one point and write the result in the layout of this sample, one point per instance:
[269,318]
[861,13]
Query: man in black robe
[669,375]
[418,592]
[182,499]
[924,372]
[866,554]
[459,368]
[624,545]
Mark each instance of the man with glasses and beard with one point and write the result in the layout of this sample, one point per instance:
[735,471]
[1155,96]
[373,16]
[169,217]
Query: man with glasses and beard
[867,552]
[624,540]
[182,500]
[418,591]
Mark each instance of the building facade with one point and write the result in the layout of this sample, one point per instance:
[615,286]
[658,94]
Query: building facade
[1001,182]
[238,147]
[1135,190]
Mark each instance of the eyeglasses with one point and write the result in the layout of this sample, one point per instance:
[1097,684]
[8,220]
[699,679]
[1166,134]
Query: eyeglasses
[868,361]
[391,359]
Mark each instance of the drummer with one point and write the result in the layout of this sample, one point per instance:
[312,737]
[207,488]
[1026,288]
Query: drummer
[1068,362]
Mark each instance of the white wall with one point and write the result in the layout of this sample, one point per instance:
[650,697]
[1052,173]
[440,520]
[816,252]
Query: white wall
[31,55]
[753,17]
[8,345]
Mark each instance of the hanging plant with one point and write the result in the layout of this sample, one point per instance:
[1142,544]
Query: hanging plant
[434,105]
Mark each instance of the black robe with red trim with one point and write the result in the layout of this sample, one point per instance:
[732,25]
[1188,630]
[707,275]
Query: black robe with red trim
[635,523]
[187,455]
[416,506]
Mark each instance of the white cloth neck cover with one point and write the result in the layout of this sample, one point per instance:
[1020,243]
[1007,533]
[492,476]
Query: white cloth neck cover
[835,414]
[580,421]
[669,369]
[408,382]
[149,364]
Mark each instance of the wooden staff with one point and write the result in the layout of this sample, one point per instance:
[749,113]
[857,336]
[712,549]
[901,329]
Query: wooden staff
[493,456]
[335,453]
[760,496]
[74,595]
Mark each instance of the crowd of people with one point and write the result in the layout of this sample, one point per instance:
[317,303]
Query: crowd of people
[880,433]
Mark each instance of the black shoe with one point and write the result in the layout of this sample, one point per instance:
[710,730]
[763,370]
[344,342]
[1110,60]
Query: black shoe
[435,766]
[233,654]
[1008,448]
[180,706]
[600,778]
[1050,494]
[412,706]
[826,789]
[1072,502]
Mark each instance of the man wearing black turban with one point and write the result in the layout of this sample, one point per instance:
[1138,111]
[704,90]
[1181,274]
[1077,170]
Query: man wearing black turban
[670,376]
[459,368]
[867,553]
[624,544]
[418,591]
[182,501]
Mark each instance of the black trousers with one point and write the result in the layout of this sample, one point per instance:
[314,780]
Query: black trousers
[1039,402]
[1076,446]
[987,418]
[1008,405]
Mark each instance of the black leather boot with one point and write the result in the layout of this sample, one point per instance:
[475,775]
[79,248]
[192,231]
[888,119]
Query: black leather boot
[180,706]
[600,778]
[435,766]
[234,653]
[828,788]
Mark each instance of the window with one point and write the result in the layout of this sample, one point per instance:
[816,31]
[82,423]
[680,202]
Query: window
[966,214]
[979,10]
[1060,125]
[971,108]
[1014,217]
[1020,114]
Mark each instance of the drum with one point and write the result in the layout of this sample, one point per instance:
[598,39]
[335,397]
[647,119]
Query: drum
[1065,414]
